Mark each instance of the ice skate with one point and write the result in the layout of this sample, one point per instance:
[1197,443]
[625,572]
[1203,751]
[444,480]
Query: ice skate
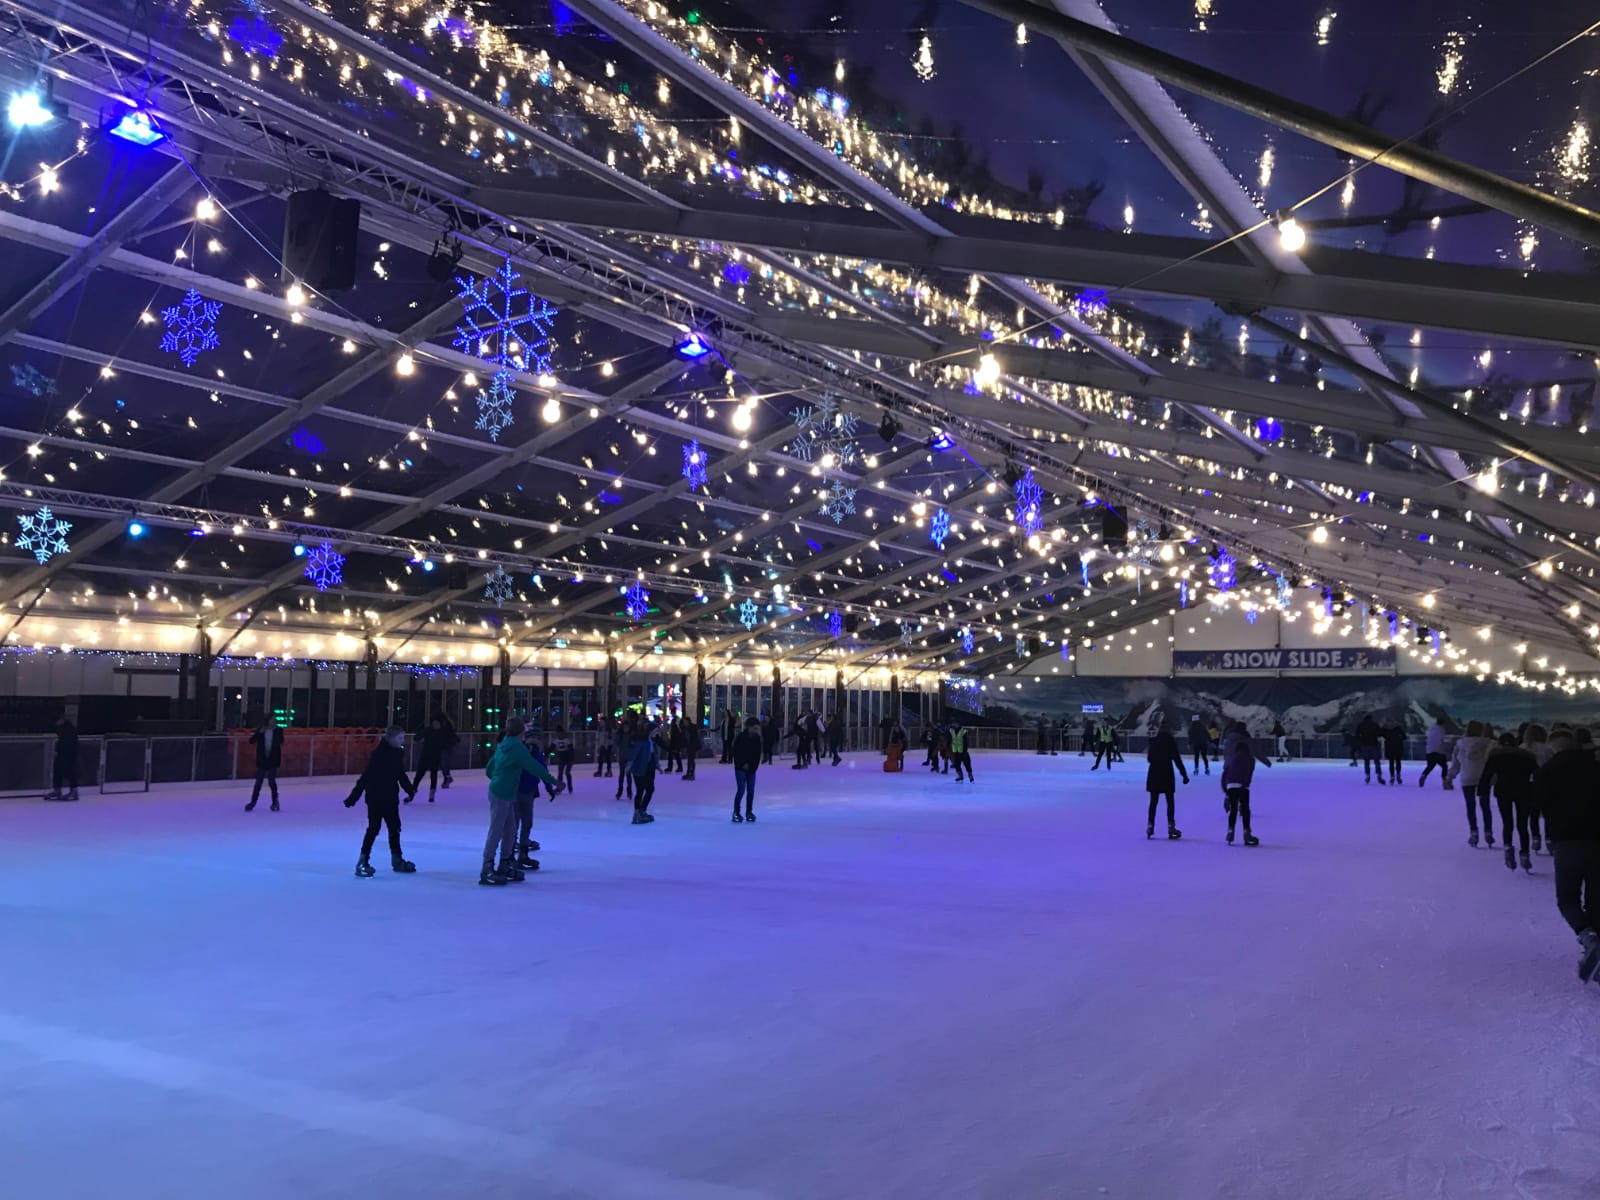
[1251,839]
[750,817]
[1527,862]
[1173,833]
[1149,831]
[274,804]
[527,862]
[1472,839]
[432,792]
[640,818]
[1488,839]
[1589,964]
[510,872]
[72,795]
[1511,859]
[737,819]
[1230,837]
[489,877]
[1537,844]
[250,807]
[399,865]
[52,795]
[364,869]
[448,780]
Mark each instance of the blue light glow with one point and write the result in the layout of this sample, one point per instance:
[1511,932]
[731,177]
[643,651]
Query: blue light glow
[693,346]
[136,529]
[137,127]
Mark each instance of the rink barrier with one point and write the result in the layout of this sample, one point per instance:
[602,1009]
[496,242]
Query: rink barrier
[118,762]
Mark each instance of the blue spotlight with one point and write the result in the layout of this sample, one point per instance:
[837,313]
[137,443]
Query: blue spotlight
[693,346]
[941,441]
[138,127]
[136,529]
[299,550]
[28,110]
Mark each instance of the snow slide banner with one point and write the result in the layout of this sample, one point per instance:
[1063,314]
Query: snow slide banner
[1332,658]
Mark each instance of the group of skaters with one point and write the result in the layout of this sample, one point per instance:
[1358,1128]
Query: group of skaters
[946,744]
[1236,757]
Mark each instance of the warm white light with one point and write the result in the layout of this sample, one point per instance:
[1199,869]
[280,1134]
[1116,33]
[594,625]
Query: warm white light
[1291,235]
[1319,535]
[1546,569]
[988,372]
[1428,601]
[205,209]
[405,365]
[741,419]
[296,295]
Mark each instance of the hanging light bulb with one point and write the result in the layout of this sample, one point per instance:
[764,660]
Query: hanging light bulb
[741,419]
[1291,234]
[551,411]
[1319,535]
[988,372]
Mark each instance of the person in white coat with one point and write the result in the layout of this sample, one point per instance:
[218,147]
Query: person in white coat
[1433,749]
[1466,764]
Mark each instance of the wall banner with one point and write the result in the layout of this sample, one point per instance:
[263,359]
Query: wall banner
[1332,658]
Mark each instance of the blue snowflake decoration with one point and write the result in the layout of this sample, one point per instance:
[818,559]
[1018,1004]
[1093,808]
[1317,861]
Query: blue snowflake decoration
[44,533]
[1269,429]
[498,586]
[1030,504]
[1251,615]
[1083,568]
[26,377]
[1183,593]
[495,404]
[1394,627]
[503,323]
[966,639]
[694,465]
[825,431]
[255,34]
[303,439]
[637,601]
[749,614]
[940,529]
[906,633]
[1022,646]
[191,327]
[835,624]
[838,502]
[1223,571]
[325,567]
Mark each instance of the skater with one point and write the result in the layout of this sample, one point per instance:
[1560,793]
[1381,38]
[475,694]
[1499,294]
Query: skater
[642,764]
[448,752]
[1160,779]
[1434,748]
[435,744]
[769,738]
[1369,741]
[547,762]
[268,741]
[520,856]
[1089,739]
[803,733]
[64,767]
[383,779]
[565,756]
[1508,771]
[1105,746]
[747,751]
[1537,743]
[673,737]
[959,757]
[1042,738]
[1394,747]
[691,745]
[1567,791]
[627,733]
[835,735]
[505,769]
[605,751]
[728,730]
[1059,733]
[1282,736]
[1200,744]
[1239,759]
[1466,764]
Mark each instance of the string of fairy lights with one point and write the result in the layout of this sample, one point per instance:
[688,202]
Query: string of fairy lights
[472,52]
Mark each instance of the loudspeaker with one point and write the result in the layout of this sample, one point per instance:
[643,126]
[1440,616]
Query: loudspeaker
[319,240]
[1113,527]
[455,577]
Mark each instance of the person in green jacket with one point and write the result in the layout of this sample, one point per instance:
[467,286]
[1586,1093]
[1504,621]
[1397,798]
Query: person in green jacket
[959,755]
[504,769]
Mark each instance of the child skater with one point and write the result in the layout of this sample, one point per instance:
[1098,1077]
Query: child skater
[642,763]
[382,781]
[1159,780]
[746,758]
[505,769]
[1239,759]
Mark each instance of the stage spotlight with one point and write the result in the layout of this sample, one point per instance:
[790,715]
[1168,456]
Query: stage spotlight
[693,346]
[30,110]
[941,441]
[445,258]
[138,127]
[136,528]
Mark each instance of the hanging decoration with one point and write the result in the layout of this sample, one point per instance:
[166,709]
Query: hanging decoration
[694,465]
[325,567]
[44,533]
[504,324]
[966,639]
[1022,645]
[1029,504]
[498,586]
[940,528]
[494,406]
[838,501]
[749,614]
[835,624]
[26,377]
[906,633]
[637,601]
[1183,593]
[825,435]
[1223,571]
[191,327]
[1285,593]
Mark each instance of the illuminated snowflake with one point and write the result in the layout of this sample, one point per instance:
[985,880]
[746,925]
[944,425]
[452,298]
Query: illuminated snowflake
[191,327]
[1251,615]
[940,529]
[44,533]
[749,614]
[1223,571]
[26,377]
[966,640]
[694,465]
[637,601]
[503,323]
[498,586]
[1285,593]
[838,502]
[906,633]
[494,406]
[1030,504]
[325,567]
[1022,646]
[835,624]
[826,432]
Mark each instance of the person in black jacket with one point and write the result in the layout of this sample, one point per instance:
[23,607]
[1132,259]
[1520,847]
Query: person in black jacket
[1394,748]
[382,781]
[1369,742]
[747,751]
[64,770]
[268,741]
[1160,779]
[1509,770]
[691,747]
[1199,743]
[436,742]
[835,734]
[1567,789]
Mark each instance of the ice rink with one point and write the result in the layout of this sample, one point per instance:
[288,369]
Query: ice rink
[890,986]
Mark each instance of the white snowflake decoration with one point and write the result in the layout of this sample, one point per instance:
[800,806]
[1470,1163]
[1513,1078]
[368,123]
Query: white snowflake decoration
[494,406]
[28,378]
[498,586]
[503,323]
[191,327]
[44,533]
[749,614]
[1285,593]
[838,502]
[1022,646]
[826,433]
[966,640]
[905,633]
[325,567]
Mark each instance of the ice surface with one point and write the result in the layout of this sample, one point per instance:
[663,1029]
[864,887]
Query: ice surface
[891,986]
